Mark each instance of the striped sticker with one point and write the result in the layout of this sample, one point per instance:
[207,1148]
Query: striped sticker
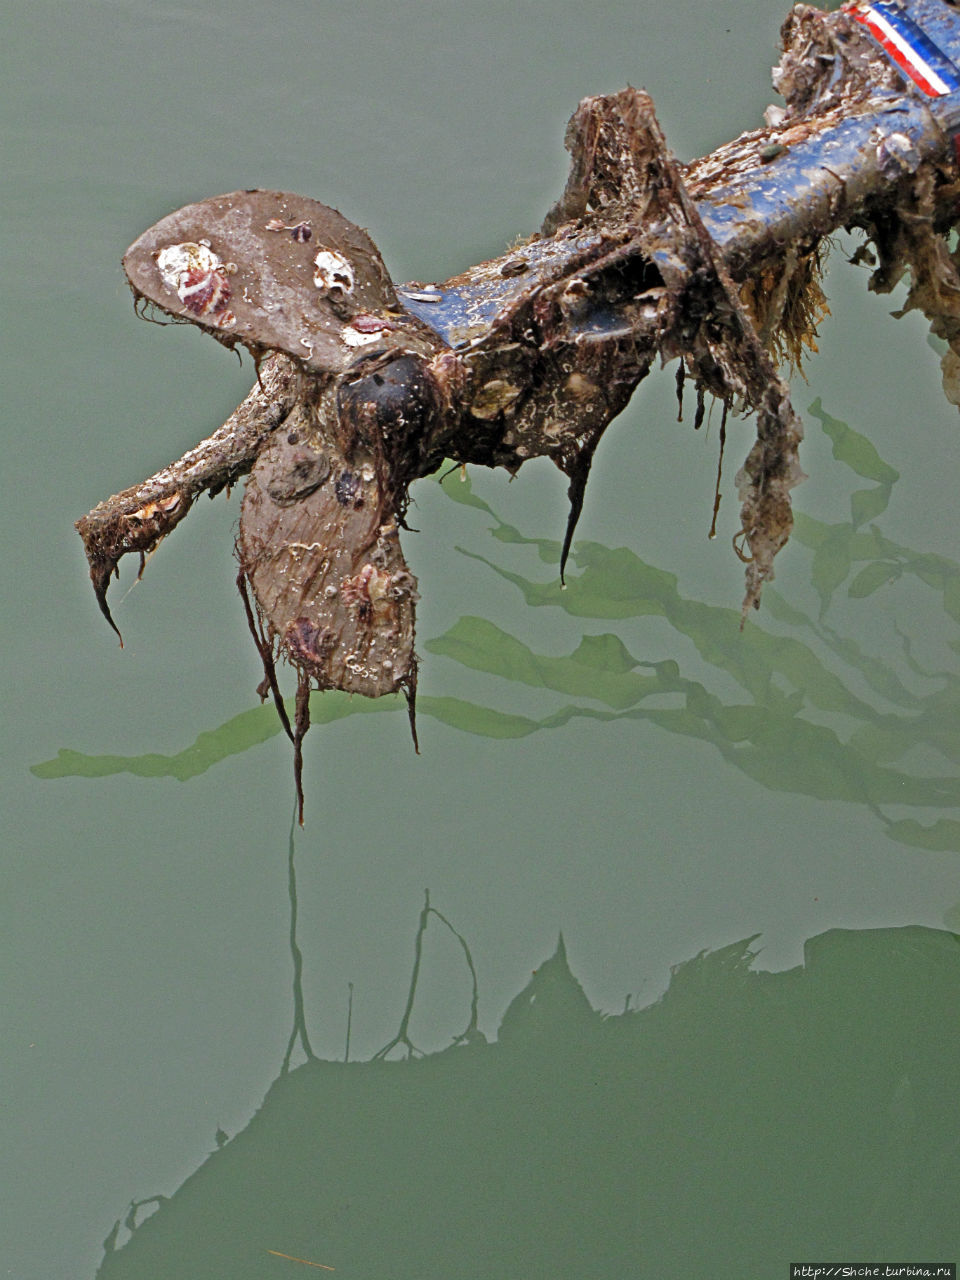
[909,46]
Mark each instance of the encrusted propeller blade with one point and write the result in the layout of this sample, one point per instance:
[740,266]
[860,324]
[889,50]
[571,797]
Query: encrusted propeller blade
[274,272]
[319,546]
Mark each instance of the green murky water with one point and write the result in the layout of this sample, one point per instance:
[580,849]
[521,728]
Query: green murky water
[744,1051]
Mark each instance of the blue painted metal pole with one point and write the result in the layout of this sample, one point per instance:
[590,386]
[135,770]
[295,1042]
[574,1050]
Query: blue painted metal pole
[796,180]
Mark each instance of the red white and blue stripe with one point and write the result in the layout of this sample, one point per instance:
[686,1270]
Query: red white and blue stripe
[909,46]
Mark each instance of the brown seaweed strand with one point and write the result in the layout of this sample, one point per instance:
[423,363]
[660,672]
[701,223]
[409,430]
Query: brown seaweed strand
[302,725]
[681,374]
[716,492]
[266,655]
[409,687]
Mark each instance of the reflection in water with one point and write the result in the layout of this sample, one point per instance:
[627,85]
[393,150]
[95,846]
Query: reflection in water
[744,1120]
[299,1031]
[472,1032]
[793,679]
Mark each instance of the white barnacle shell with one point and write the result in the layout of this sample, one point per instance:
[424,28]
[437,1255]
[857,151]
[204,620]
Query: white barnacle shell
[197,276]
[180,260]
[357,338]
[333,271]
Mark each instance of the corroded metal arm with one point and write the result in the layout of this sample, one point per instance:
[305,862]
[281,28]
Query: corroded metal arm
[138,518]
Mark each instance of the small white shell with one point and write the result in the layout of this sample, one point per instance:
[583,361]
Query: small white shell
[333,272]
[354,338]
[197,276]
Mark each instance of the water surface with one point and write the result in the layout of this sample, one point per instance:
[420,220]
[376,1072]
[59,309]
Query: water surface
[760,828]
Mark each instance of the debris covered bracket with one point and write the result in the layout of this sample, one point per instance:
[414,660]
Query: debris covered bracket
[362,387]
